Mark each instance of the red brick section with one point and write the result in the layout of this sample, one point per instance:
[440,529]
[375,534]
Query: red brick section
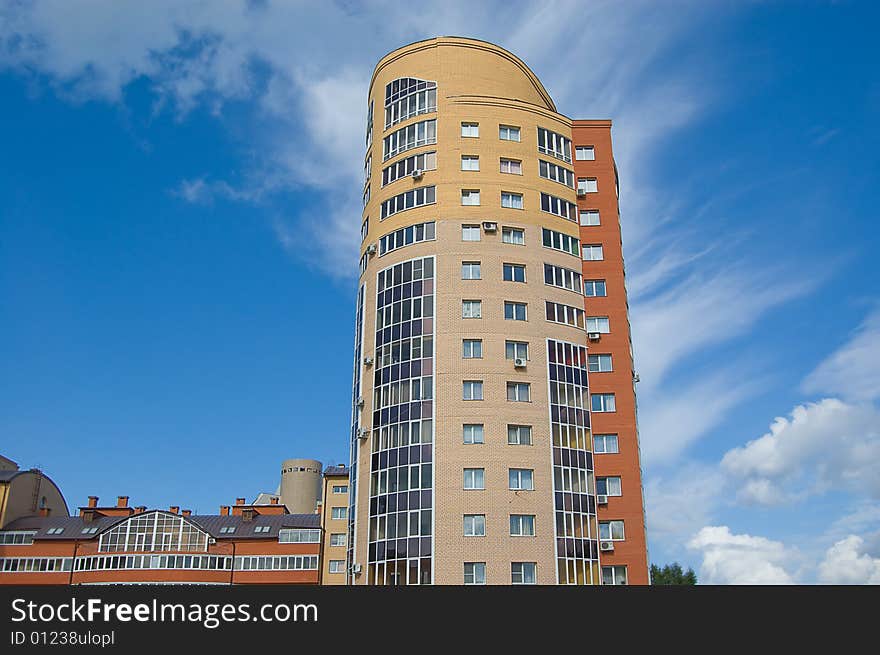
[632,552]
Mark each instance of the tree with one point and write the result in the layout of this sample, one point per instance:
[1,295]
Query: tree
[672,574]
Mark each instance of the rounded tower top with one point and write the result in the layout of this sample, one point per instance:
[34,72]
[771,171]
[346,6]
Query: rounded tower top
[474,66]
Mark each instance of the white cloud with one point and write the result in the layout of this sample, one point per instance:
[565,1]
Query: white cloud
[852,371]
[679,503]
[825,445]
[741,558]
[847,563]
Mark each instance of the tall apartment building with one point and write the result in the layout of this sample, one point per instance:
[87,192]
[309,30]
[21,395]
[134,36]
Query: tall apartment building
[473,454]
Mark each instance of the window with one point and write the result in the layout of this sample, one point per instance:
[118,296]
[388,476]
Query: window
[522,573]
[559,241]
[518,392]
[470,163]
[608,486]
[365,228]
[366,195]
[516,350]
[614,575]
[227,529]
[521,479]
[551,143]
[91,530]
[426,161]
[587,185]
[564,278]
[337,566]
[566,314]
[470,197]
[474,525]
[599,363]
[514,311]
[519,435]
[556,173]
[598,324]
[590,217]
[409,137]
[406,236]
[611,530]
[605,443]
[585,153]
[470,129]
[522,525]
[508,133]
[472,433]
[298,536]
[470,270]
[426,195]
[472,390]
[475,572]
[511,200]
[472,348]
[340,489]
[602,402]
[261,529]
[558,207]
[337,539]
[594,288]
[54,530]
[471,309]
[513,235]
[474,479]
[512,166]
[593,252]
[470,232]
[407,97]
[514,273]
[339,513]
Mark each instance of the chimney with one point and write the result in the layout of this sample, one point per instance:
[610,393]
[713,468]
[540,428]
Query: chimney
[174,509]
[239,501]
[187,513]
[93,501]
[224,510]
[140,509]
[273,501]
[122,501]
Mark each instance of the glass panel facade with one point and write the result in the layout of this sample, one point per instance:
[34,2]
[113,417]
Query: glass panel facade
[401,465]
[577,551]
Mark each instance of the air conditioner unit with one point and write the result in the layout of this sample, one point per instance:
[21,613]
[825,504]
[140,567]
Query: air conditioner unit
[489,226]
[602,499]
[593,336]
[211,540]
[363,433]
[417,174]
[636,377]
[356,568]
[371,249]
[606,545]
[368,361]
[519,362]
[582,192]
[360,402]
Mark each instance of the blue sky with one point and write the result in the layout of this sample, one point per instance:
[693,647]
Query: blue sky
[179,214]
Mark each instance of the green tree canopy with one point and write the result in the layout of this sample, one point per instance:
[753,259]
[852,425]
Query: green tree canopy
[672,574]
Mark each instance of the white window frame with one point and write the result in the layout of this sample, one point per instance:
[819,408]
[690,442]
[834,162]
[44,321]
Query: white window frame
[613,486]
[472,161]
[589,153]
[614,570]
[514,304]
[520,521]
[519,430]
[604,438]
[608,403]
[589,217]
[520,349]
[600,363]
[469,230]
[475,432]
[517,388]
[523,573]
[516,483]
[477,573]
[475,473]
[510,131]
[511,200]
[513,232]
[600,324]
[470,130]
[468,269]
[593,249]
[468,196]
[514,166]
[469,346]
[609,528]
[471,305]
[514,269]
[591,284]
[476,389]
[474,525]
